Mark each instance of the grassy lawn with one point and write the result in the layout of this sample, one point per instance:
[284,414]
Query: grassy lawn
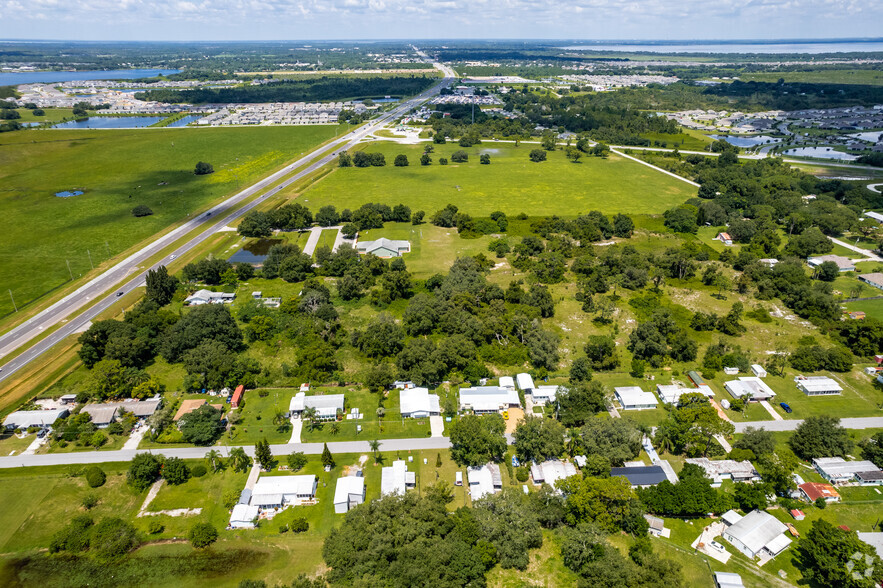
[117,170]
[258,415]
[12,444]
[114,442]
[546,568]
[326,238]
[52,115]
[685,141]
[872,308]
[511,183]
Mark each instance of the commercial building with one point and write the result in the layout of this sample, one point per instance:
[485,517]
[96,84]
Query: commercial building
[726,469]
[818,385]
[25,419]
[418,403]
[396,479]
[633,398]
[757,533]
[750,388]
[839,471]
[488,399]
[349,493]
[484,480]
[327,405]
[280,491]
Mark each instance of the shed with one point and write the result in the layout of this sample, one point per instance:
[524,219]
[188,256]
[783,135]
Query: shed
[525,382]
[507,382]
[758,370]
[728,580]
[237,396]
[349,493]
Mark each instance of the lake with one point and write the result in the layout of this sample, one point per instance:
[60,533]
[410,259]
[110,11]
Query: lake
[110,122]
[771,48]
[183,122]
[47,77]
[872,136]
[747,141]
[254,252]
[821,152]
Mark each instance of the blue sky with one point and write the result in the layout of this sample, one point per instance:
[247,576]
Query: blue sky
[415,19]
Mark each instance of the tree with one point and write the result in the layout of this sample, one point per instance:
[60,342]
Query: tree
[175,471]
[95,476]
[506,521]
[263,455]
[239,460]
[374,444]
[476,440]
[831,556]
[579,402]
[112,538]
[828,271]
[758,441]
[143,471]
[609,503]
[203,168]
[203,426]
[459,156]
[601,352]
[484,159]
[872,449]
[202,535]
[161,286]
[141,210]
[297,460]
[615,439]
[425,159]
[538,439]
[401,160]
[214,459]
[344,159]
[537,155]
[751,496]
[209,322]
[821,436]
[327,458]
[255,224]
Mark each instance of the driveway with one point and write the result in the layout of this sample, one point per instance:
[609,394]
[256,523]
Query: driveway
[297,426]
[515,415]
[313,240]
[437,426]
[769,408]
[135,438]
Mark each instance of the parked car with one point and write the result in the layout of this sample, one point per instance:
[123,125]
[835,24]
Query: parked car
[785,407]
[717,546]
[515,462]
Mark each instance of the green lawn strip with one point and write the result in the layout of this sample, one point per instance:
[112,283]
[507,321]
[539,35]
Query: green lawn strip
[511,183]
[864,77]
[684,141]
[51,115]
[872,308]
[326,239]
[12,444]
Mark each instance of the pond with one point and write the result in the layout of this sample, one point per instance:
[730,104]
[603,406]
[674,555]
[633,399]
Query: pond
[752,141]
[871,136]
[183,122]
[254,252]
[110,122]
[48,77]
[820,152]
[68,193]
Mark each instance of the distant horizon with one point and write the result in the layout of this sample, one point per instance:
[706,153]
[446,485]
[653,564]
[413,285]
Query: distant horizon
[620,41]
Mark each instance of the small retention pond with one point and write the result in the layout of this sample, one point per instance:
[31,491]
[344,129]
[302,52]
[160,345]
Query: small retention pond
[747,141]
[254,252]
[821,152]
[68,193]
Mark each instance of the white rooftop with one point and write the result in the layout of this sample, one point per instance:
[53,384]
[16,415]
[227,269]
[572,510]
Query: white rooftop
[837,467]
[483,480]
[417,400]
[243,514]
[507,382]
[488,398]
[633,395]
[524,381]
[346,486]
[551,471]
[302,485]
[818,384]
[750,386]
[23,419]
[724,467]
[325,405]
[728,580]
[393,479]
[759,529]
[545,392]
[671,393]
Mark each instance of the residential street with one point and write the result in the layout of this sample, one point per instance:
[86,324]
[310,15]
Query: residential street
[853,423]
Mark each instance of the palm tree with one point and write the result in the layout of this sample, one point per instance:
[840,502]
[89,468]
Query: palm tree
[334,429]
[375,447]
[239,459]
[278,417]
[311,415]
[214,458]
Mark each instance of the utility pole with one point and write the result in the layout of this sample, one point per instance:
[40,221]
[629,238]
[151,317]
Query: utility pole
[69,269]
[13,301]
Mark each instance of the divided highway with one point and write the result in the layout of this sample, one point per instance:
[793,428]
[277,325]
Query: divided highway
[131,272]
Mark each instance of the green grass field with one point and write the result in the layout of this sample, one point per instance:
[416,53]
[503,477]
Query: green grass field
[52,115]
[117,170]
[865,77]
[511,183]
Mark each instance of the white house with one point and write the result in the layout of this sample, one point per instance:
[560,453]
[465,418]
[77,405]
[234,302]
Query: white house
[543,395]
[384,248]
[395,479]
[750,388]
[758,533]
[633,398]
[844,264]
[349,492]
[24,419]
[818,385]
[875,215]
[837,470]
[758,370]
[725,238]
[507,382]
[731,371]
[327,406]
[728,580]
[525,383]
[484,480]
[418,403]
[104,414]
[279,491]
[671,393]
[243,516]
[488,399]
[721,469]
[208,297]
[551,471]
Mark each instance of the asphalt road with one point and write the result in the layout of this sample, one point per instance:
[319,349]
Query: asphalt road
[132,271]
[853,423]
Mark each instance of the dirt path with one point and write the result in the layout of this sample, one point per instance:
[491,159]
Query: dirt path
[154,490]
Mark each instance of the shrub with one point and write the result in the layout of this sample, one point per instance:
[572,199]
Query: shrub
[263,393]
[297,460]
[522,474]
[95,477]
[141,210]
[198,471]
[460,156]
[443,161]
[90,501]
[175,471]
[202,535]
[155,528]
[202,168]
[283,529]
[537,155]
[299,525]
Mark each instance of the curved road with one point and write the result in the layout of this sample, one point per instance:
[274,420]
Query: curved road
[134,274]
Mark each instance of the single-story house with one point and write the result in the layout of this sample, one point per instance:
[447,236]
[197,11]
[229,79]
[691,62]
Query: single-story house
[844,264]
[279,491]
[731,371]
[720,469]
[724,238]
[641,476]
[671,393]
[384,248]
[484,480]
[488,399]
[543,395]
[875,215]
[237,396]
[327,405]
[756,533]
[728,580]
[550,471]
[839,471]
[243,516]
[818,385]
[396,479]
[770,262]
[812,491]
[101,415]
[525,383]
[106,413]
[875,279]
[189,405]
[403,385]
[25,419]
[208,297]
[875,540]
[750,388]
[869,478]
[349,492]
[507,382]
[633,398]
[656,526]
[418,403]
[758,370]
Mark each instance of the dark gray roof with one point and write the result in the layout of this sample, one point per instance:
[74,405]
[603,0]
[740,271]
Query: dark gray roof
[641,476]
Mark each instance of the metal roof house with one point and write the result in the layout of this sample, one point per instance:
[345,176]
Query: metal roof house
[384,248]
[418,403]
[844,264]
[671,393]
[818,385]
[488,399]
[721,469]
[751,388]
[525,382]
[812,491]
[24,419]
[875,279]
[839,471]
[208,297]
[243,516]
[757,533]
[550,471]
[484,480]
[349,493]
[728,580]
[543,395]
[507,382]
[396,479]
[279,491]
[641,477]
[633,398]
[104,414]
[327,405]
